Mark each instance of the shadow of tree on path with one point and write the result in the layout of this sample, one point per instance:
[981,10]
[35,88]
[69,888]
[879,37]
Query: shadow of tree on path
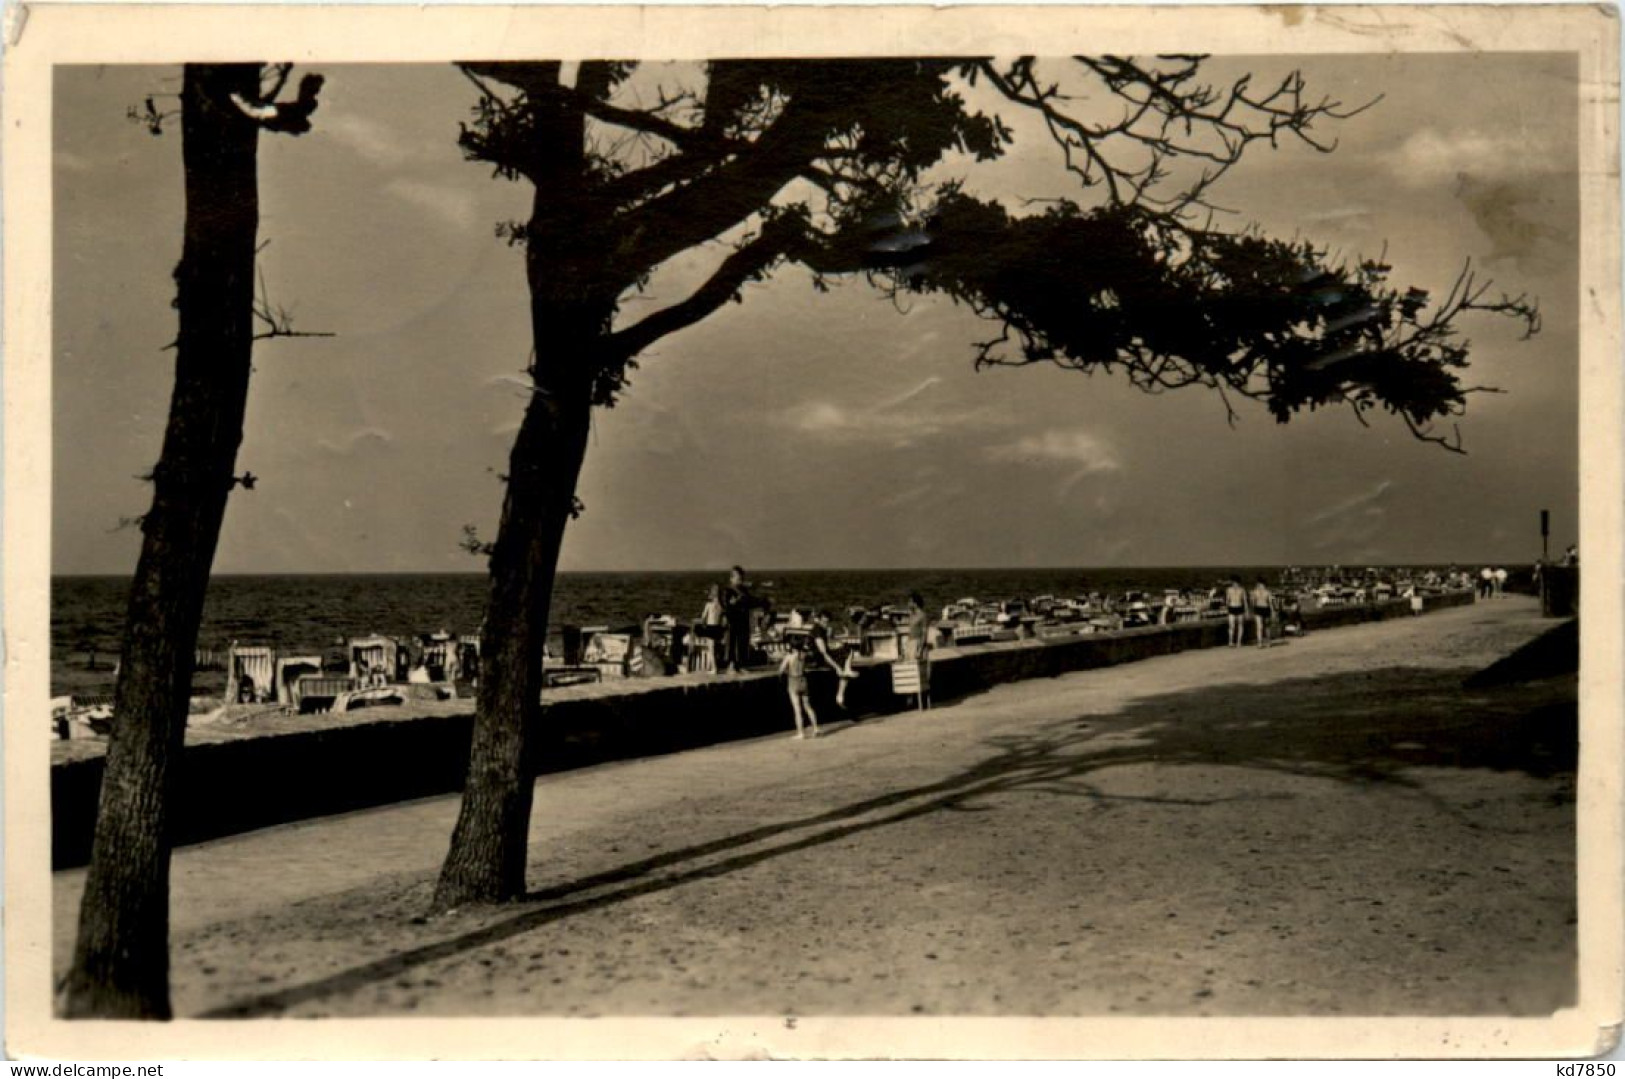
[1368,728]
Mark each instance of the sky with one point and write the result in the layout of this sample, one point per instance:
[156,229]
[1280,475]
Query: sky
[799,429]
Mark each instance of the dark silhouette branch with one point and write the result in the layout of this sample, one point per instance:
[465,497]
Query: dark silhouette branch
[1130,291]
[151,116]
[535,79]
[725,198]
[1167,116]
[472,544]
[751,261]
[276,320]
[538,83]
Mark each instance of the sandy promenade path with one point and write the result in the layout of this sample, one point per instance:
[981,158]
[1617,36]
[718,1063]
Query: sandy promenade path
[1331,826]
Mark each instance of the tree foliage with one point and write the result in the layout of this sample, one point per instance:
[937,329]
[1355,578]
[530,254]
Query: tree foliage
[829,164]
[1168,305]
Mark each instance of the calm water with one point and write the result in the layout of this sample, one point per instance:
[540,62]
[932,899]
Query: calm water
[310,611]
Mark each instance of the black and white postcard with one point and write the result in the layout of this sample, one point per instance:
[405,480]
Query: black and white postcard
[812,532]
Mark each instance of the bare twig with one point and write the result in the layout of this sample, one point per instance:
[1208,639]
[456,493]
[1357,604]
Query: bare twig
[1167,116]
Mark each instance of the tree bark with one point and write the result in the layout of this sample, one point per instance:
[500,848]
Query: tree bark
[121,959]
[571,307]
[486,862]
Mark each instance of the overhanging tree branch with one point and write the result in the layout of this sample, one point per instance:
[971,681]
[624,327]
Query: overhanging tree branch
[726,197]
[750,262]
[1119,289]
[1167,116]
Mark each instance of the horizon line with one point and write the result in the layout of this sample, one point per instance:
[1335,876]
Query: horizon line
[843,569]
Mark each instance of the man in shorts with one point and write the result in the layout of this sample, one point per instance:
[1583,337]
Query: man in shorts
[1260,601]
[1235,609]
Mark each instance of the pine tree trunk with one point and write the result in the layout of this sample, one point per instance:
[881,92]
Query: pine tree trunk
[486,862]
[121,960]
[571,307]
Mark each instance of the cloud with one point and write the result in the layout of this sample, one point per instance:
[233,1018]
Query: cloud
[1117,548]
[887,422]
[367,138]
[916,344]
[1364,501]
[909,395]
[453,205]
[921,486]
[1430,156]
[822,417]
[1083,450]
[1353,524]
[68,161]
[914,495]
[1082,453]
[1508,214]
[351,444]
[1343,222]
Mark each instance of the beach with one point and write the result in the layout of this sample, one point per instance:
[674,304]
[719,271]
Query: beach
[1333,826]
[307,612]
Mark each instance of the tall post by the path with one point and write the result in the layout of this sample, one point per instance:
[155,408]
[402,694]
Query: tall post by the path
[1559,584]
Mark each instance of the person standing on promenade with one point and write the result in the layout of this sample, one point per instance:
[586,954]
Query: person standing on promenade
[1500,582]
[1486,582]
[917,629]
[737,604]
[1261,603]
[912,673]
[794,668]
[1235,609]
[705,648]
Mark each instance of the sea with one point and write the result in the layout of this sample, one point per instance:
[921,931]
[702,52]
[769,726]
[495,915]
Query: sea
[312,611]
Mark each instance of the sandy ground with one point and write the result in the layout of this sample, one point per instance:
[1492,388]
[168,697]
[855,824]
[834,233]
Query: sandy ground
[1328,827]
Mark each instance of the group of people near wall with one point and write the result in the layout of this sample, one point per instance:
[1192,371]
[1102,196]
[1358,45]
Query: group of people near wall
[814,650]
[1243,605]
[1492,582]
[726,619]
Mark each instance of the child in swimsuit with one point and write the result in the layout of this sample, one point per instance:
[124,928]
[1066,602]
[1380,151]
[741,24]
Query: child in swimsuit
[794,668]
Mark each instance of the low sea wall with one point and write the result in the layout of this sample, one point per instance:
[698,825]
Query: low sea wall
[1559,591]
[236,786]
